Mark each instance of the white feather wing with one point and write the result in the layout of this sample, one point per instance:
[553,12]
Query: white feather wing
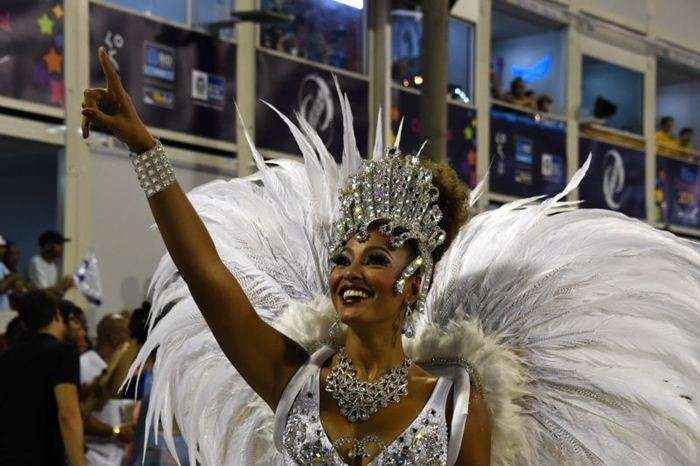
[603,314]
[272,230]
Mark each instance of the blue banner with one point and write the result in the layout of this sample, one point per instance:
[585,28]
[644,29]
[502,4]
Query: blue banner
[292,86]
[180,80]
[528,153]
[461,132]
[615,179]
[677,192]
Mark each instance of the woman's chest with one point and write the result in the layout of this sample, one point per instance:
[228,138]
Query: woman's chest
[411,432]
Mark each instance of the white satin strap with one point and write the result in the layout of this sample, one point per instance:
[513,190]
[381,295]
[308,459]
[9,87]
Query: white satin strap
[290,392]
[460,411]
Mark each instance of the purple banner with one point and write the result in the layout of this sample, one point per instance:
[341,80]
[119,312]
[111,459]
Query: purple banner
[31,51]
[292,86]
[615,179]
[677,192]
[528,153]
[461,132]
[179,80]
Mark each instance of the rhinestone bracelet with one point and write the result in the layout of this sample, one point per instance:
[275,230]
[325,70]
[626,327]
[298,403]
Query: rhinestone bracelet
[153,170]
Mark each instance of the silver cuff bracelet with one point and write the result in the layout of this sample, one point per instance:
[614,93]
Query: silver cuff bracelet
[153,170]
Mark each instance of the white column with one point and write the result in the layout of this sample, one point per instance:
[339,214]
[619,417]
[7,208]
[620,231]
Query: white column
[649,133]
[379,68]
[483,92]
[245,87]
[74,171]
[650,94]
[573,101]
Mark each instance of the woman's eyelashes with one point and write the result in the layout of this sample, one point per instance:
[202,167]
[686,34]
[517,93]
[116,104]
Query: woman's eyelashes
[374,258]
[341,260]
[377,258]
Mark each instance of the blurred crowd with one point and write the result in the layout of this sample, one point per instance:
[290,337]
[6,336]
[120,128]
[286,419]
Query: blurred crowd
[667,139]
[519,94]
[66,399]
[322,32]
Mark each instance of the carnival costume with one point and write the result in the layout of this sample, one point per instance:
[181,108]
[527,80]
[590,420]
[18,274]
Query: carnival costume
[580,327]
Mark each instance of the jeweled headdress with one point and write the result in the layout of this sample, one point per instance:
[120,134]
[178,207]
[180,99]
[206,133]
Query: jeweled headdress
[395,192]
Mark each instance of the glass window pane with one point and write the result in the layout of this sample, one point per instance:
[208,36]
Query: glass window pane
[208,11]
[406,32]
[528,61]
[678,97]
[173,10]
[460,68]
[612,95]
[325,31]
[205,11]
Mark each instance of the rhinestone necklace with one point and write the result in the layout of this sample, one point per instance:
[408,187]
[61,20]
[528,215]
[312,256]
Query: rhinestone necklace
[359,400]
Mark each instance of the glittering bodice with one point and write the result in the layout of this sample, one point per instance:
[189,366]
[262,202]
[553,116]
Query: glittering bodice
[424,442]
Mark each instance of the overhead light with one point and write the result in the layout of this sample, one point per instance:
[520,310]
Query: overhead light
[406,83]
[359,4]
[418,80]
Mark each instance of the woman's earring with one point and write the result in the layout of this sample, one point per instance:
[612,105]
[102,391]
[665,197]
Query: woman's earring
[409,328]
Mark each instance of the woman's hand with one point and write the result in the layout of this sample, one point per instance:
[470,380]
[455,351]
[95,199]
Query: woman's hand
[122,120]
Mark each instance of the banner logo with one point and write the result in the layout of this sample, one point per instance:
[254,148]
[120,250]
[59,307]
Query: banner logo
[316,105]
[613,179]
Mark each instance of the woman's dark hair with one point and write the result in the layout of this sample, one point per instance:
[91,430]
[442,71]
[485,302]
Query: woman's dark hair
[453,202]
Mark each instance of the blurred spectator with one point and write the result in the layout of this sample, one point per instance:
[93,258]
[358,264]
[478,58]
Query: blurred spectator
[43,267]
[544,103]
[155,452]
[664,136]
[108,425]
[41,422]
[11,282]
[78,324]
[685,138]
[16,332]
[529,98]
[603,109]
[11,257]
[516,94]
[495,86]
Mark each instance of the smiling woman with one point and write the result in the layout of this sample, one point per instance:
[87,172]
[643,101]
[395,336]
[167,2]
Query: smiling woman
[302,326]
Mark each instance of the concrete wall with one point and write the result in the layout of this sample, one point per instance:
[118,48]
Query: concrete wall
[128,249]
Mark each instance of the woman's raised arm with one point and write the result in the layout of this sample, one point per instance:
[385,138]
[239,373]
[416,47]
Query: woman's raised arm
[241,333]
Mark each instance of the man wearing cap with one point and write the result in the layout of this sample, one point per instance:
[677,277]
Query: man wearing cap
[43,267]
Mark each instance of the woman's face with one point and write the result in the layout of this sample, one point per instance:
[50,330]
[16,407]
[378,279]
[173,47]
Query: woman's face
[362,282]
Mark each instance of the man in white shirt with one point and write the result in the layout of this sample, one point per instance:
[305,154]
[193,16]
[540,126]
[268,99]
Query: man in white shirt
[43,267]
[107,430]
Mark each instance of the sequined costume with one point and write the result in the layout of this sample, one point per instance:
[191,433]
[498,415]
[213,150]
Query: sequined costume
[303,440]
[582,326]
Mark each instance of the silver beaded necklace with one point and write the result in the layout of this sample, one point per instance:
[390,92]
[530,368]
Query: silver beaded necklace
[359,400]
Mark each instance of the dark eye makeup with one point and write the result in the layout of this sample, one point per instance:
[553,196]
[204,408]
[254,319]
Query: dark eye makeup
[340,259]
[374,257]
[377,258]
